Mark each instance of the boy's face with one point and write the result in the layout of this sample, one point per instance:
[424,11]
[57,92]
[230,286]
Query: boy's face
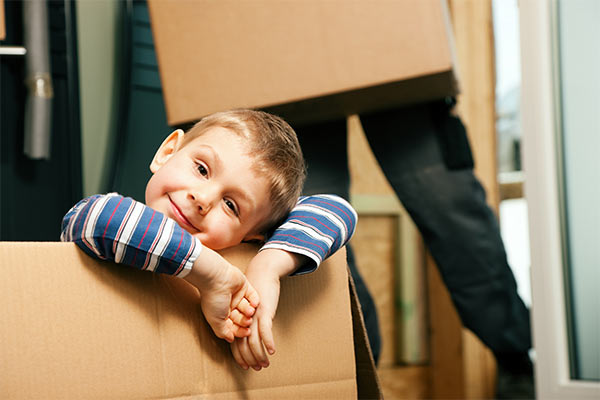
[209,187]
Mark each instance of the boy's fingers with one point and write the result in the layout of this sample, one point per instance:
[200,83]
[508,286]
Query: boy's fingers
[240,331]
[246,308]
[246,291]
[240,319]
[252,296]
[227,331]
[258,350]
[247,355]
[235,351]
[223,332]
[265,326]
[238,295]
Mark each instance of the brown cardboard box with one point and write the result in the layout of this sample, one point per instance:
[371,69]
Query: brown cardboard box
[304,60]
[73,327]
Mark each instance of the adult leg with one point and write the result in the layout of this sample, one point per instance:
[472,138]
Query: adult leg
[447,203]
[325,151]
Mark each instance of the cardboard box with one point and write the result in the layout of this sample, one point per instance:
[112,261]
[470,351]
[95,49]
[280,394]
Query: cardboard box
[73,327]
[304,60]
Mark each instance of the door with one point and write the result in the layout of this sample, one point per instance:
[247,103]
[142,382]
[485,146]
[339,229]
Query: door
[36,193]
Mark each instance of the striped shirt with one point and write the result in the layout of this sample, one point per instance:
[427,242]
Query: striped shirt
[117,228]
[317,227]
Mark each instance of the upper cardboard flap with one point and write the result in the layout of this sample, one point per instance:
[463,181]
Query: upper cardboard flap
[217,55]
[73,327]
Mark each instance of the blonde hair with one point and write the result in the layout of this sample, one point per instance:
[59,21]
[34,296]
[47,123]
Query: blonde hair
[274,146]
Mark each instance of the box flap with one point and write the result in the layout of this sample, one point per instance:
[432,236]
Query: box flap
[367,380]
[74,327]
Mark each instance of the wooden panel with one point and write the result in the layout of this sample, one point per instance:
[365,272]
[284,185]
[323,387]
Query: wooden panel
[473,33]
[446,342]
[411,294]
[374,247]
[366,174]
[480,368]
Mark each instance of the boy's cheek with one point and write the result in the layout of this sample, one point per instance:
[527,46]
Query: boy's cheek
[157,205]
[219,237]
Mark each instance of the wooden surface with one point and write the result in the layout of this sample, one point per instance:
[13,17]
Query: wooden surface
[374,247]
[366,175]
[447,368]
[473,34]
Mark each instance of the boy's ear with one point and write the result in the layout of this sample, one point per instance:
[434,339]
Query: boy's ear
[168,147]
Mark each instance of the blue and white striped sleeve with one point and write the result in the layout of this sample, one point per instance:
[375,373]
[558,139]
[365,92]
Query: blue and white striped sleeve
[120,229]
[316,228]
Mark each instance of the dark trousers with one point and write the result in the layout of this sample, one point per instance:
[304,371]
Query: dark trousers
[424,153]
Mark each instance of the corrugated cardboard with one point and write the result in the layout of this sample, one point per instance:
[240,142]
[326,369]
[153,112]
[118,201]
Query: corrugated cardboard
[304,60]
[73,327]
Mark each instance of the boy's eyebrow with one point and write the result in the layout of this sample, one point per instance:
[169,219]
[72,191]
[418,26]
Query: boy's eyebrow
[214,155]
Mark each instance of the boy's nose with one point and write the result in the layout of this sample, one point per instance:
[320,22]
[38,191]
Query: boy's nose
[202,200]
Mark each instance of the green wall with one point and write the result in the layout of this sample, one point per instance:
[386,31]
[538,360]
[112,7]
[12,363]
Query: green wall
[97,31]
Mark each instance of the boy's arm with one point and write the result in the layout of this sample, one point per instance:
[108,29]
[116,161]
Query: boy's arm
[120,229]
[316,228]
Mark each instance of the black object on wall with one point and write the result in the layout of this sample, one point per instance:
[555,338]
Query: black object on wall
[35,194]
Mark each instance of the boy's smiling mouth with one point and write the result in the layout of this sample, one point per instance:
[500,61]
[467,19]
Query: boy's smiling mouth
[179,217]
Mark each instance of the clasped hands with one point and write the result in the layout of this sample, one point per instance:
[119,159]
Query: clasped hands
[240,308]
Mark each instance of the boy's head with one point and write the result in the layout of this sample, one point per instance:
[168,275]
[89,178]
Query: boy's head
[230,178]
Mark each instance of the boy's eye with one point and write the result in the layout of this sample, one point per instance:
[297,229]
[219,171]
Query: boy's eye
[202,170]
[231,205]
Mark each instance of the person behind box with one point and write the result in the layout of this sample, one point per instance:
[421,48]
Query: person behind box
[424,152]
[232,178]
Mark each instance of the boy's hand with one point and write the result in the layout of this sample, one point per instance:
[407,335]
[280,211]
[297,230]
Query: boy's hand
[253,351]
[264,272]
[228,300]
[228,303]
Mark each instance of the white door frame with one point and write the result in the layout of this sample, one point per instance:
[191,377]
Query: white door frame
[540,118]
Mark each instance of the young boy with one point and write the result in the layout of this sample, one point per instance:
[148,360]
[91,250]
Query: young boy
[232,178]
